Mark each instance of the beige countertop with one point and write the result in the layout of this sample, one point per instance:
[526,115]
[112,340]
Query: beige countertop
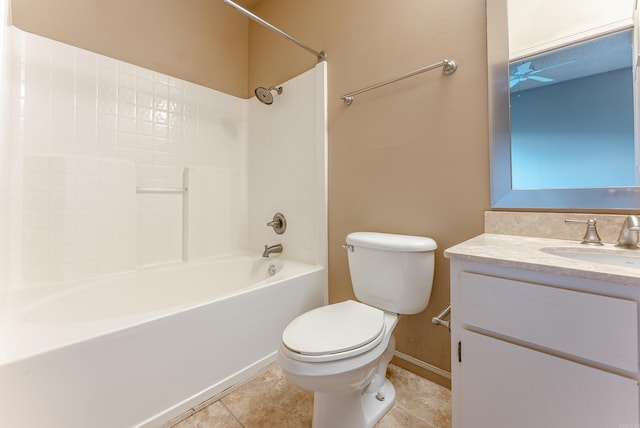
[521,252]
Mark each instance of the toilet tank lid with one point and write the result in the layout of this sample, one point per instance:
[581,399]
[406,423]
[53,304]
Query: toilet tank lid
[391,242]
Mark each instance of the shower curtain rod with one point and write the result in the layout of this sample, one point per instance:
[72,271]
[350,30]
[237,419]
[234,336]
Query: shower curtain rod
[450,67]
[322,56]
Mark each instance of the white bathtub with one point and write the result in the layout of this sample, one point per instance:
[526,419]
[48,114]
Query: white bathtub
[139,349]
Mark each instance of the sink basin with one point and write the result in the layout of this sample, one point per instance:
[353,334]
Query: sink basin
[613,257]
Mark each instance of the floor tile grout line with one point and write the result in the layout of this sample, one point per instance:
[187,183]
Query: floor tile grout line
[231,413]
[408,412]
[422,419]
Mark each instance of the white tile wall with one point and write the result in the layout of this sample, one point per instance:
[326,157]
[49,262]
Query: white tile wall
[85,130]
[216,193]
[287,164]
[4,153]
[79,217]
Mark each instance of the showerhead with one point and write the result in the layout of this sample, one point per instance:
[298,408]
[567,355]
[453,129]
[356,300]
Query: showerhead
[264,95]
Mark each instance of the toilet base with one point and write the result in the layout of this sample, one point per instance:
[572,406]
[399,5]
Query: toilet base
[357,409]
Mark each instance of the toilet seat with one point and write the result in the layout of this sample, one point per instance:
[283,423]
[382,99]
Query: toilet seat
[334,332]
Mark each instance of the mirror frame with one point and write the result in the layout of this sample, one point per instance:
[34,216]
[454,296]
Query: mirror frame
[502,194]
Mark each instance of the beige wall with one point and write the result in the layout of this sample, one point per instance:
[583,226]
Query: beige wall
[201,41]
[409,158]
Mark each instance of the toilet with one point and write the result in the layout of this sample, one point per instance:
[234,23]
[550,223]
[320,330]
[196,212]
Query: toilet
[341,351]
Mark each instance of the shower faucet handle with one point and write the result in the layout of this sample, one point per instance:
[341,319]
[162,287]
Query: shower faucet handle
[279,223]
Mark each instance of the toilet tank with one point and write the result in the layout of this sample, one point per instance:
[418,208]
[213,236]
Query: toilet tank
[391,272]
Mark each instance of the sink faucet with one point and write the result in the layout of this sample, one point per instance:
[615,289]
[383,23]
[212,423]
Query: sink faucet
[272,249]
[628,237]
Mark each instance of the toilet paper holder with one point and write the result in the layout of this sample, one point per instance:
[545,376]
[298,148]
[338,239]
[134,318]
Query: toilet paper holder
[438,319]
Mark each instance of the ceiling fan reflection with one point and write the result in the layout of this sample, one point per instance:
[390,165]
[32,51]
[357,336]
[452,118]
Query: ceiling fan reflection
[527,71]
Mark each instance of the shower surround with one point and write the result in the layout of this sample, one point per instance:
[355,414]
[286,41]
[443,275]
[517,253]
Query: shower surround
[84,132]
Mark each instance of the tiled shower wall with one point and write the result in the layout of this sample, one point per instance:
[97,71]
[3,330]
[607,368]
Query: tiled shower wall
[4,153]
[86,131]
[287,168]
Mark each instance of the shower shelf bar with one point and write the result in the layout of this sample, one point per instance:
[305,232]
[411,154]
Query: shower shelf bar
[184,192]
[166,190]
[322,55]
[449,66]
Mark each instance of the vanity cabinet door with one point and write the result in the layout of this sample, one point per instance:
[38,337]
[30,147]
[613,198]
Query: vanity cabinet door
[504,385]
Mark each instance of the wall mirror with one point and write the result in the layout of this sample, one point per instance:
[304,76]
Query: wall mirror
[561,104]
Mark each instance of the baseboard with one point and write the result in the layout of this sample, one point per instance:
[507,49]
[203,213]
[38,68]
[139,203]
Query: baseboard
[426,370]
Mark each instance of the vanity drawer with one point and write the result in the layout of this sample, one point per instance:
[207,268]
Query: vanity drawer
[590,327]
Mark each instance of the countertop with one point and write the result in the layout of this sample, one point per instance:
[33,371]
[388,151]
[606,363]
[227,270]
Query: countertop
[521,252]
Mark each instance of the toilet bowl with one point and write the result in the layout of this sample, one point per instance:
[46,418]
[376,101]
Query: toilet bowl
[339,379]
[341,351]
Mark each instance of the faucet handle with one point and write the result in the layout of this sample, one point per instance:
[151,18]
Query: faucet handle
[591,236]
[591,221]
[279,223]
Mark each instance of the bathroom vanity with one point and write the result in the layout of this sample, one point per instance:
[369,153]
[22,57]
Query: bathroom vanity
[544,333]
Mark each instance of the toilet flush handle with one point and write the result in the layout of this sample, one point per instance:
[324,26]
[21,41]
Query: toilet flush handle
[348,247]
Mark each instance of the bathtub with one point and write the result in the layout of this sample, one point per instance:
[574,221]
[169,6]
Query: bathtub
[139,349]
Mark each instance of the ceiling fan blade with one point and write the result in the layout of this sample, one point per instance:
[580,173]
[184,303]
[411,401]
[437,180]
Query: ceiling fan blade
[525,67]
[540,78]
[550,67]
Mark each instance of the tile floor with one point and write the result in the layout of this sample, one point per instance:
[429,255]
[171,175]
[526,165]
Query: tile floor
[271,400]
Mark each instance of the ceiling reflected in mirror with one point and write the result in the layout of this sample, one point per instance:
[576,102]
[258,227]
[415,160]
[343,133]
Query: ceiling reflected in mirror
[601,55]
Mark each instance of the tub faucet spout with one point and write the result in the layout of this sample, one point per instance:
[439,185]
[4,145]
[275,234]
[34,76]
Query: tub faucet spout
[272,249]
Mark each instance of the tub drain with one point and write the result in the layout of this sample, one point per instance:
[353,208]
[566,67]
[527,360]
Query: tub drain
[272,270]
